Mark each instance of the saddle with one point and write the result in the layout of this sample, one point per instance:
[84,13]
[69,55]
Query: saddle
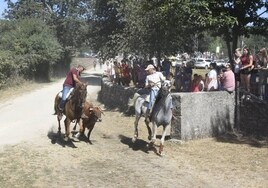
[69,94]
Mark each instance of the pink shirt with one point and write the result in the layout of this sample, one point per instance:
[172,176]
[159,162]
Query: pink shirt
[228,80]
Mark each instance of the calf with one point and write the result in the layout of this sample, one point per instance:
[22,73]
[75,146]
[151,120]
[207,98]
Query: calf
[88,119]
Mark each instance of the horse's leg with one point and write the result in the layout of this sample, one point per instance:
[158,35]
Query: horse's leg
[149,129]
[81,128]
[154,131]
[67,123]
[136,133]
[59,127]
[165,129]
[74,128]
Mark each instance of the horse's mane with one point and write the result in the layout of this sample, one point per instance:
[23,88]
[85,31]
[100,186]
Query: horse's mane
[78,97]
[162,93]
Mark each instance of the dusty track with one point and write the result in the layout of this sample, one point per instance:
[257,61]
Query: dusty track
[33,154]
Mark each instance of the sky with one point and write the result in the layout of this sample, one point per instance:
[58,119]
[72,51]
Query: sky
[3,6]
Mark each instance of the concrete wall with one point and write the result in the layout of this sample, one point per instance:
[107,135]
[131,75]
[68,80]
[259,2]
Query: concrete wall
[198,115]
[202,114]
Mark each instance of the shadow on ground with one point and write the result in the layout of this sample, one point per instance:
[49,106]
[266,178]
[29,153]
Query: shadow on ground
[254,141]
[58,138]
[139,145]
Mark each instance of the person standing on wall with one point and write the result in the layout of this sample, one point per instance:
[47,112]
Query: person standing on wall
[246,67]
[263,74]
[237,65]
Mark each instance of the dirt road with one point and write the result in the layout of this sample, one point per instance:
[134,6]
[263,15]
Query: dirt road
[33,155]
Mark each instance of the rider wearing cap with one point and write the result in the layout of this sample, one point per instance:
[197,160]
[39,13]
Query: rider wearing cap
[72,78]
[153,82]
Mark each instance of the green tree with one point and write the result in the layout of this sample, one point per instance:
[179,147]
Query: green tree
[232,19]
[67,18]
[32,47]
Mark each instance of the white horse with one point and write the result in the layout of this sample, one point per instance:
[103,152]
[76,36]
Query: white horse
[162,113]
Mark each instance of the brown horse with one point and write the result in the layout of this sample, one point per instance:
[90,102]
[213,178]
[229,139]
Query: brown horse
[73,107]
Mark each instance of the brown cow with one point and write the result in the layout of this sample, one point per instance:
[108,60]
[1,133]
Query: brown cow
[91,114]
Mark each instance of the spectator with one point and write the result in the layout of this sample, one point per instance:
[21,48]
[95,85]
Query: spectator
[187,78]
[246,67]
[195,83]
[263,74]
[211,82]
[125,73]
[95,64]
[178,77]
[237,64]
[118,74]
[201,84]
[141,76]
[227,79]
[166,64]
[109,71]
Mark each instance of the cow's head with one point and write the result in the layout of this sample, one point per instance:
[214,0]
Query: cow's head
[95,113]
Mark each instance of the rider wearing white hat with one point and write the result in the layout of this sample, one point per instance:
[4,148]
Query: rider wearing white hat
[153,81]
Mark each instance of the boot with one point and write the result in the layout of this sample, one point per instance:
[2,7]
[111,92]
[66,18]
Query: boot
[60,109]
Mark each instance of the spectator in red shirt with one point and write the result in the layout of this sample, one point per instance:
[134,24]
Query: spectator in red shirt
[125,73]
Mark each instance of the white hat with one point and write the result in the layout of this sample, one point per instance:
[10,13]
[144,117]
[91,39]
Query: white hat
[227,65]
[150,66]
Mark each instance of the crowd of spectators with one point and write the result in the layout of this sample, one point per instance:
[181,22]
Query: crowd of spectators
[236,74]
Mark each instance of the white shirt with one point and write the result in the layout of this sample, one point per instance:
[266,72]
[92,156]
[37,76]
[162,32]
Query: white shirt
[214,82]
[156,79]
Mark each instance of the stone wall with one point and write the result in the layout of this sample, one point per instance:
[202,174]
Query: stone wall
[253,117]
[197,115]
[202,114]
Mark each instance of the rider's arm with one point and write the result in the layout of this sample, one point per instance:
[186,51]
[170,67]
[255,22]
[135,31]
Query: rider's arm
[76,79]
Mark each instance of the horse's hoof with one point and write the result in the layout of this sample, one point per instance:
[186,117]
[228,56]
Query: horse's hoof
[77,135]
[161,149]
[66,138]
[134,139]
[151,145]
[161,154]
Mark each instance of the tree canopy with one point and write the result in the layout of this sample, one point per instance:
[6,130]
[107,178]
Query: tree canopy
[143,27]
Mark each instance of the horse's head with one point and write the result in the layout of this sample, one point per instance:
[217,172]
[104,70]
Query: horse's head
[80,94]
[165,87]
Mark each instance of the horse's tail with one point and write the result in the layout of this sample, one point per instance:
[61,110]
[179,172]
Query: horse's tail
[55,110]
[55,105]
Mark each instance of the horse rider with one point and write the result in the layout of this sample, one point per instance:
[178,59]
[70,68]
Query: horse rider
[153,82]
[72,78]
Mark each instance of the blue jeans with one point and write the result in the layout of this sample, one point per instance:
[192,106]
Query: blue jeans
[153,95]
[65,91]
